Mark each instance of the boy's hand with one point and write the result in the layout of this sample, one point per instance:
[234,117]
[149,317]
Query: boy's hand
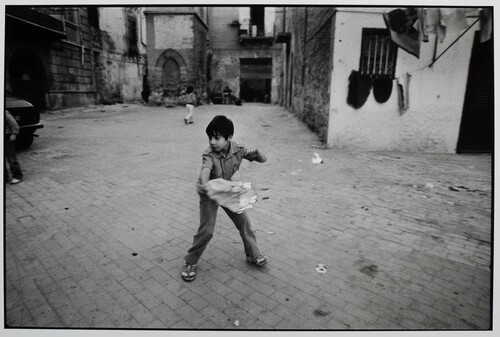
[252,152]
[256,155]
[12,138]
[201,189]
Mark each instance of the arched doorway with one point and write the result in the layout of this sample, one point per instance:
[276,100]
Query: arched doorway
[27,77]
[170,74]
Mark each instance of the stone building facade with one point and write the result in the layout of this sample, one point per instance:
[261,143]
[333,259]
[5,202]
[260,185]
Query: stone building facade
[120,55]
[307,65]
[59,57]
[177,40]
[243,54]
[344,76]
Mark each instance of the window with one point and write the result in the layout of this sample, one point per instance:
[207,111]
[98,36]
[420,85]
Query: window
[257,20]
[378,54]
[93,15]
[132,35]
[70,16]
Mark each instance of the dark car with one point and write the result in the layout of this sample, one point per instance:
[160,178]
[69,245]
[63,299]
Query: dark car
[26,115]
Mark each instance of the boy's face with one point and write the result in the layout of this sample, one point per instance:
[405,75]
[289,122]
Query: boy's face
[218,143]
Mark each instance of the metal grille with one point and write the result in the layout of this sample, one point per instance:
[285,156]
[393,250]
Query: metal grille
[378,54]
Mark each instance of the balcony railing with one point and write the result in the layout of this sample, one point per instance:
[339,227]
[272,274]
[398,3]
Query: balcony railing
[255,33]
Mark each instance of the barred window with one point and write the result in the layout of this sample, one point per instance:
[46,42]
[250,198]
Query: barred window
[378,54]
[132,39]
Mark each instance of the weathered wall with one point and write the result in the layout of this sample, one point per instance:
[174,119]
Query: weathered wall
[436,94]
[67,68]
[180,36]
[199,60]
[310,68]
[70,79]
[121,73]
[227,52]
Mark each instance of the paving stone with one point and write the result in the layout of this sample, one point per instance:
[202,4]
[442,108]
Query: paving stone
[399,255]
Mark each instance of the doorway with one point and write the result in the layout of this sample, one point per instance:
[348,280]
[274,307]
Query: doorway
[255,79]
[27,78]
[170,77]
[477,125]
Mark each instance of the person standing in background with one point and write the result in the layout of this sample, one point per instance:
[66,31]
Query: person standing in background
[190,104]
[11,132]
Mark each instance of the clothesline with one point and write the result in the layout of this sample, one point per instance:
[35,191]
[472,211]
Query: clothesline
[458,38]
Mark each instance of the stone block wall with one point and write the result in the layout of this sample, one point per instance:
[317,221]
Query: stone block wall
[70,76]
[180,38]
[311,54]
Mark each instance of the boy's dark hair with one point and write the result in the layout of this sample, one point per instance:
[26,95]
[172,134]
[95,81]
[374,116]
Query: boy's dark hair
[189,89]
[220,126]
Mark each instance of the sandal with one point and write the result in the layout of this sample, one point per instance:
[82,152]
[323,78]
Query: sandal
[259,260]
[189,272]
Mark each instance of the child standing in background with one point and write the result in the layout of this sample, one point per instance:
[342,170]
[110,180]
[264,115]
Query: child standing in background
[190,104]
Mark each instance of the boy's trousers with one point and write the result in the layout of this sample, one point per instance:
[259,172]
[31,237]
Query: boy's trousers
[208,215]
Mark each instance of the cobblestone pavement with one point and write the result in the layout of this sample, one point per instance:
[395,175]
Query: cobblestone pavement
[95,234]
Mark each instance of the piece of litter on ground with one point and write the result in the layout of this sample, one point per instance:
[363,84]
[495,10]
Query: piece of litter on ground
[270,232]
[319,312]
[237,323]
[317,159]
[321,268]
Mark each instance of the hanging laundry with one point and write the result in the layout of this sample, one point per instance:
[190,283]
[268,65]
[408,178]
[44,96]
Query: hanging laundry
[485,24]
[422,22]
[400,23]
[454,18]
[401,98]
[359,89]
[440,26]
[403,84]
[382,88]
[429,22]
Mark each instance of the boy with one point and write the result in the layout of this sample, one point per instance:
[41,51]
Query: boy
[221,160]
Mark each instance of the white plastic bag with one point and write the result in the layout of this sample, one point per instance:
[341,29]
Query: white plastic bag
[234,195]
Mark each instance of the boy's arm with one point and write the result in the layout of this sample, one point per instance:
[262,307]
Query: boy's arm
[255,155]
[204,177]
[11,125]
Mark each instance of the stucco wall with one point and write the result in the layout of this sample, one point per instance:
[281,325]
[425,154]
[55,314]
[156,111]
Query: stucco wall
[436,94]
